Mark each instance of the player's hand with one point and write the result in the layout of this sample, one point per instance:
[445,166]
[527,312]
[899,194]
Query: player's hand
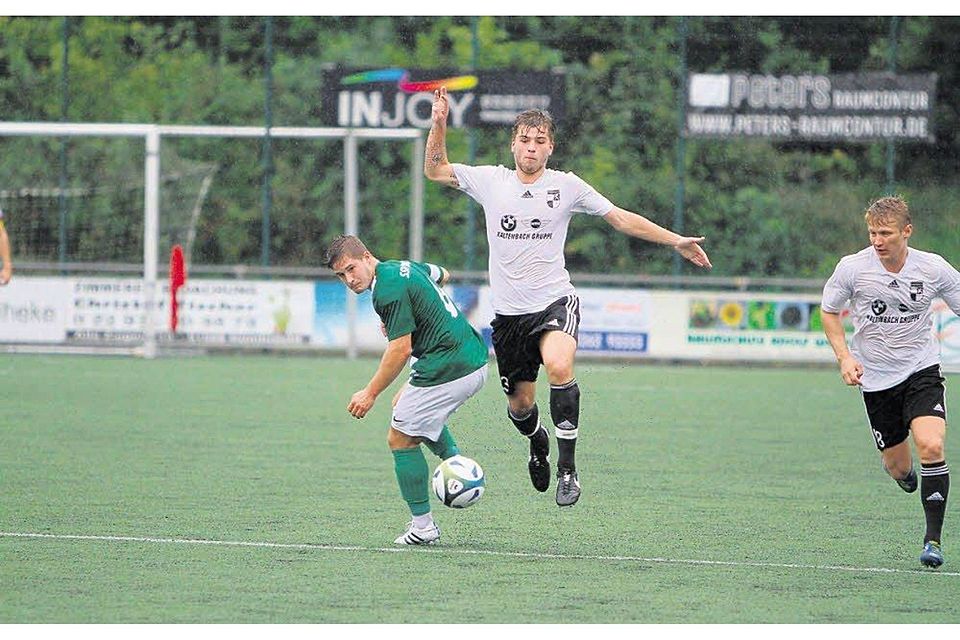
[690,249]
[5,274]
[361,402]
[441,106]
[850,370]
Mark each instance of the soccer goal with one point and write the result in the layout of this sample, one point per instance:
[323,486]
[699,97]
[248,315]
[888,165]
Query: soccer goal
[160,192]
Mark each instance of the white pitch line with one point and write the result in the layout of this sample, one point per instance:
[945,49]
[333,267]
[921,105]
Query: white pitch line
[477,552]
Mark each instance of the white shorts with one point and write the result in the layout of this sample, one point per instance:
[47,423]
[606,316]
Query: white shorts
[421,412]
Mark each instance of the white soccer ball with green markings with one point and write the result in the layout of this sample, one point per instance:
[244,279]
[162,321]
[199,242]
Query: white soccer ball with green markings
[458,482]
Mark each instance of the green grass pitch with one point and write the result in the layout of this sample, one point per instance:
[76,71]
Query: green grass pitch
[711,494]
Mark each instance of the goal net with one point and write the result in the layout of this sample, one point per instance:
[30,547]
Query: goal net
[97,208]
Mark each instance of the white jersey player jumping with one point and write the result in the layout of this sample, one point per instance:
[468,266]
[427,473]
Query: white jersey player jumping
[894,356]
[527,211]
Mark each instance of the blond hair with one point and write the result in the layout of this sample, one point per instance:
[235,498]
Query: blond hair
[344,246]
[888,209]
[534,119]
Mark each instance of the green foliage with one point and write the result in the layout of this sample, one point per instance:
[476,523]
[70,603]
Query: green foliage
[766,209]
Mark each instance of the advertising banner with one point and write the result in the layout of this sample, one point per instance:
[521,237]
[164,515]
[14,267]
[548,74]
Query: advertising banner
[34,310]
[211,311]
[619,323]
[614,322]
[108,309]
[249,312]
[739,326]
[762,327]
[853,107]
[398,98]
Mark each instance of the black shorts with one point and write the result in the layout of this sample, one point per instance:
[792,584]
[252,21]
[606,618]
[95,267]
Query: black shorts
[516,339]
[891,411]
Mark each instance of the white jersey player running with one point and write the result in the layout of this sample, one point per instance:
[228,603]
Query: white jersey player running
[527,212]
[893,355]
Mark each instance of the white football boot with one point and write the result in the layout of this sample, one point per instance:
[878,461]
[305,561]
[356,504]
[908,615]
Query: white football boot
[414,535]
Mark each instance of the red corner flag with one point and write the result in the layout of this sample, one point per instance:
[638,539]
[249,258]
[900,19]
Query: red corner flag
[178,278]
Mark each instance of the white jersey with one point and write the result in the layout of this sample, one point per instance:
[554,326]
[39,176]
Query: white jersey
[526,232]
[893,326]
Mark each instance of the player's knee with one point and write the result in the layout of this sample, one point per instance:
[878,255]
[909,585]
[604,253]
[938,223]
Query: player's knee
[521,404]
[897,468]
[392,440]
[399,440]
[929,449]
[559,369]
[897,460]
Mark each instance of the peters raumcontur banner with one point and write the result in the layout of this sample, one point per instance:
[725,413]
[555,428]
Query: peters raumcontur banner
[397,98]
[853,107]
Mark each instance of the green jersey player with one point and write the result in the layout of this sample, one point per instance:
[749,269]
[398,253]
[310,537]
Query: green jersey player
[450,365]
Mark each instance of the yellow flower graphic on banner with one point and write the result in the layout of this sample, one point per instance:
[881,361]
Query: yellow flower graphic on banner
[731,314]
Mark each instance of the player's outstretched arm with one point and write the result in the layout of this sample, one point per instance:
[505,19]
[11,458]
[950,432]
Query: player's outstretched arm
[635,225]
[6,272]
[391,364]
[850,369]
[435,164]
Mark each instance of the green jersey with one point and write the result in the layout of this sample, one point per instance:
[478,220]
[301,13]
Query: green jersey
[408,300]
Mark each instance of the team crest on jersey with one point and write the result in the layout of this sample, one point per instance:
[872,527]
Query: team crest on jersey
[916,290]
[553,197]
[878,306]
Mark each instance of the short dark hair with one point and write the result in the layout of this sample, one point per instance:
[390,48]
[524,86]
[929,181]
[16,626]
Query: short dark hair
[534,118]
[344,245]
[888,209]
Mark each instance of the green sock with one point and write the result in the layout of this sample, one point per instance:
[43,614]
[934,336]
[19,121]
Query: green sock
[413,476]
[445,446]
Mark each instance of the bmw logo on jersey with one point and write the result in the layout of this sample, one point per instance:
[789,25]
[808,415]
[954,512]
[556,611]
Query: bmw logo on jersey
[514,227]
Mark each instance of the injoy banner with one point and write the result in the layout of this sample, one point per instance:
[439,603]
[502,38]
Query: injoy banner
[397,98]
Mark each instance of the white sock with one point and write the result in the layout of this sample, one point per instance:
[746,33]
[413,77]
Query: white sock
[423,522]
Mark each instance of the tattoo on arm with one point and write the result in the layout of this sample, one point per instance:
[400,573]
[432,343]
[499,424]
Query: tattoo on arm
[436,157]
[436,148]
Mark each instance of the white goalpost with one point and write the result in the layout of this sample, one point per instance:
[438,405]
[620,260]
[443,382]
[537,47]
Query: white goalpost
[153,134]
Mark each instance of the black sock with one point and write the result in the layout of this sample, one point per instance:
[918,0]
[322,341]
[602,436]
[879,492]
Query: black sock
[934,486]
[565,411]
[529,426]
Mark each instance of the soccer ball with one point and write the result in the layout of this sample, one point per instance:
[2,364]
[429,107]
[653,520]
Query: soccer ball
[458,482]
